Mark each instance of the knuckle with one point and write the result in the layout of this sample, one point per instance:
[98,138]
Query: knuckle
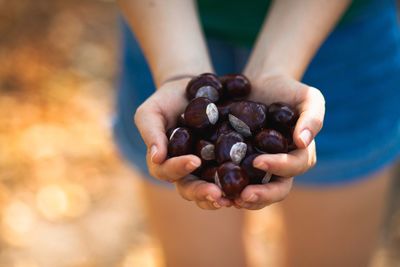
[317,93]
[183,193]
[139,111]
[318,123]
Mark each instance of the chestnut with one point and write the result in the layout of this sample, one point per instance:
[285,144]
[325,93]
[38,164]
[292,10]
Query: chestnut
[247,117]
[223,127]
[205,150]
[205,85]
[282,117]
[208,173]
[250,147]
[201,113]
[180,142]
[180,121]
[230,147]
[236,86]
[231,179]
[224,109]
[255,175]
[270,141]
[291,145]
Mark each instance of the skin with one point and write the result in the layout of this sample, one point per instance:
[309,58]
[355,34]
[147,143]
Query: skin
[289,38]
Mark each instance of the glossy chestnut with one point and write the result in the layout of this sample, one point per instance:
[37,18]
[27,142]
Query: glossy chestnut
[291,145]
[223,127]
[270,141]
[255,175]
[247,117]
[230,147]
[236,86]
[282,116]
[201,113]
[231,179]
[180,121]
[205,150]
[205,85]
[180,142]
[250,147]
[224,109]
[208,173]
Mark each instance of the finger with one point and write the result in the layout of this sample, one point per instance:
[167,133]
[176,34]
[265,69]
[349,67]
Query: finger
[206,205]
[193,189]
[174,168]
[258,196]
[151,125]
[287,165]
[312,112]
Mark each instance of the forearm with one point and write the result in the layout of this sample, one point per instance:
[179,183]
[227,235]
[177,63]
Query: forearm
[169,35]
[291,35]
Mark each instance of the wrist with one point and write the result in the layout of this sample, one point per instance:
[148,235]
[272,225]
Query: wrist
[260,77]
[188,71]
[262,66]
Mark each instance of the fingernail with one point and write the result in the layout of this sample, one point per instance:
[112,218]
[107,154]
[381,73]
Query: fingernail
[217,205]
[252,198]
[190,166]
[210,198]
[153,152]
[306,136]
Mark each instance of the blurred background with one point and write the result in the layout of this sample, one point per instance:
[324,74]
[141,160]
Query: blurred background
[67,199]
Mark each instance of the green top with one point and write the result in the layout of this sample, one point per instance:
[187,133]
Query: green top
[239,21]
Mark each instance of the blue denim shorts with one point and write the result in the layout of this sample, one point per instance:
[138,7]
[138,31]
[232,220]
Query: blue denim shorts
[358,71]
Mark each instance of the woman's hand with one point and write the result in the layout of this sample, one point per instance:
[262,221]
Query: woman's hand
[311,106]
[153,117]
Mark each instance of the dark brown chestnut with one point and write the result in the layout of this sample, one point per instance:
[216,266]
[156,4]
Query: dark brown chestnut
[231,179]
[270,141]
[250,147]
[223,127]
[201,113]
[230,147]
[247,117]
[224,109]
[180,142]
[255,175]
[180,121]
[282,116]
[208,173]
[236,86]
[205,150]
[289,137]
[205,85]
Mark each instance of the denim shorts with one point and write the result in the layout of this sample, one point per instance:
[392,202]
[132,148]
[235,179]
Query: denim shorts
[358,71]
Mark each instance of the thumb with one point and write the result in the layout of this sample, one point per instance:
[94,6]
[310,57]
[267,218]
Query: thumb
[312,112]
[151,125]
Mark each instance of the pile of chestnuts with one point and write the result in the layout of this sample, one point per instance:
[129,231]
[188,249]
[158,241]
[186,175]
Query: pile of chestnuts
[227,132]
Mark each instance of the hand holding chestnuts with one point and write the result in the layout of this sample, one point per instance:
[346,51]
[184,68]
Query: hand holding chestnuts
[228,132]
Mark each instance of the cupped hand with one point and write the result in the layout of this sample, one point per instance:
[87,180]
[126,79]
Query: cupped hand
[311,106]
[153,118]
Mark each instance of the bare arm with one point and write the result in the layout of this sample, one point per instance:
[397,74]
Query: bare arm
[170,36]
[291,35]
